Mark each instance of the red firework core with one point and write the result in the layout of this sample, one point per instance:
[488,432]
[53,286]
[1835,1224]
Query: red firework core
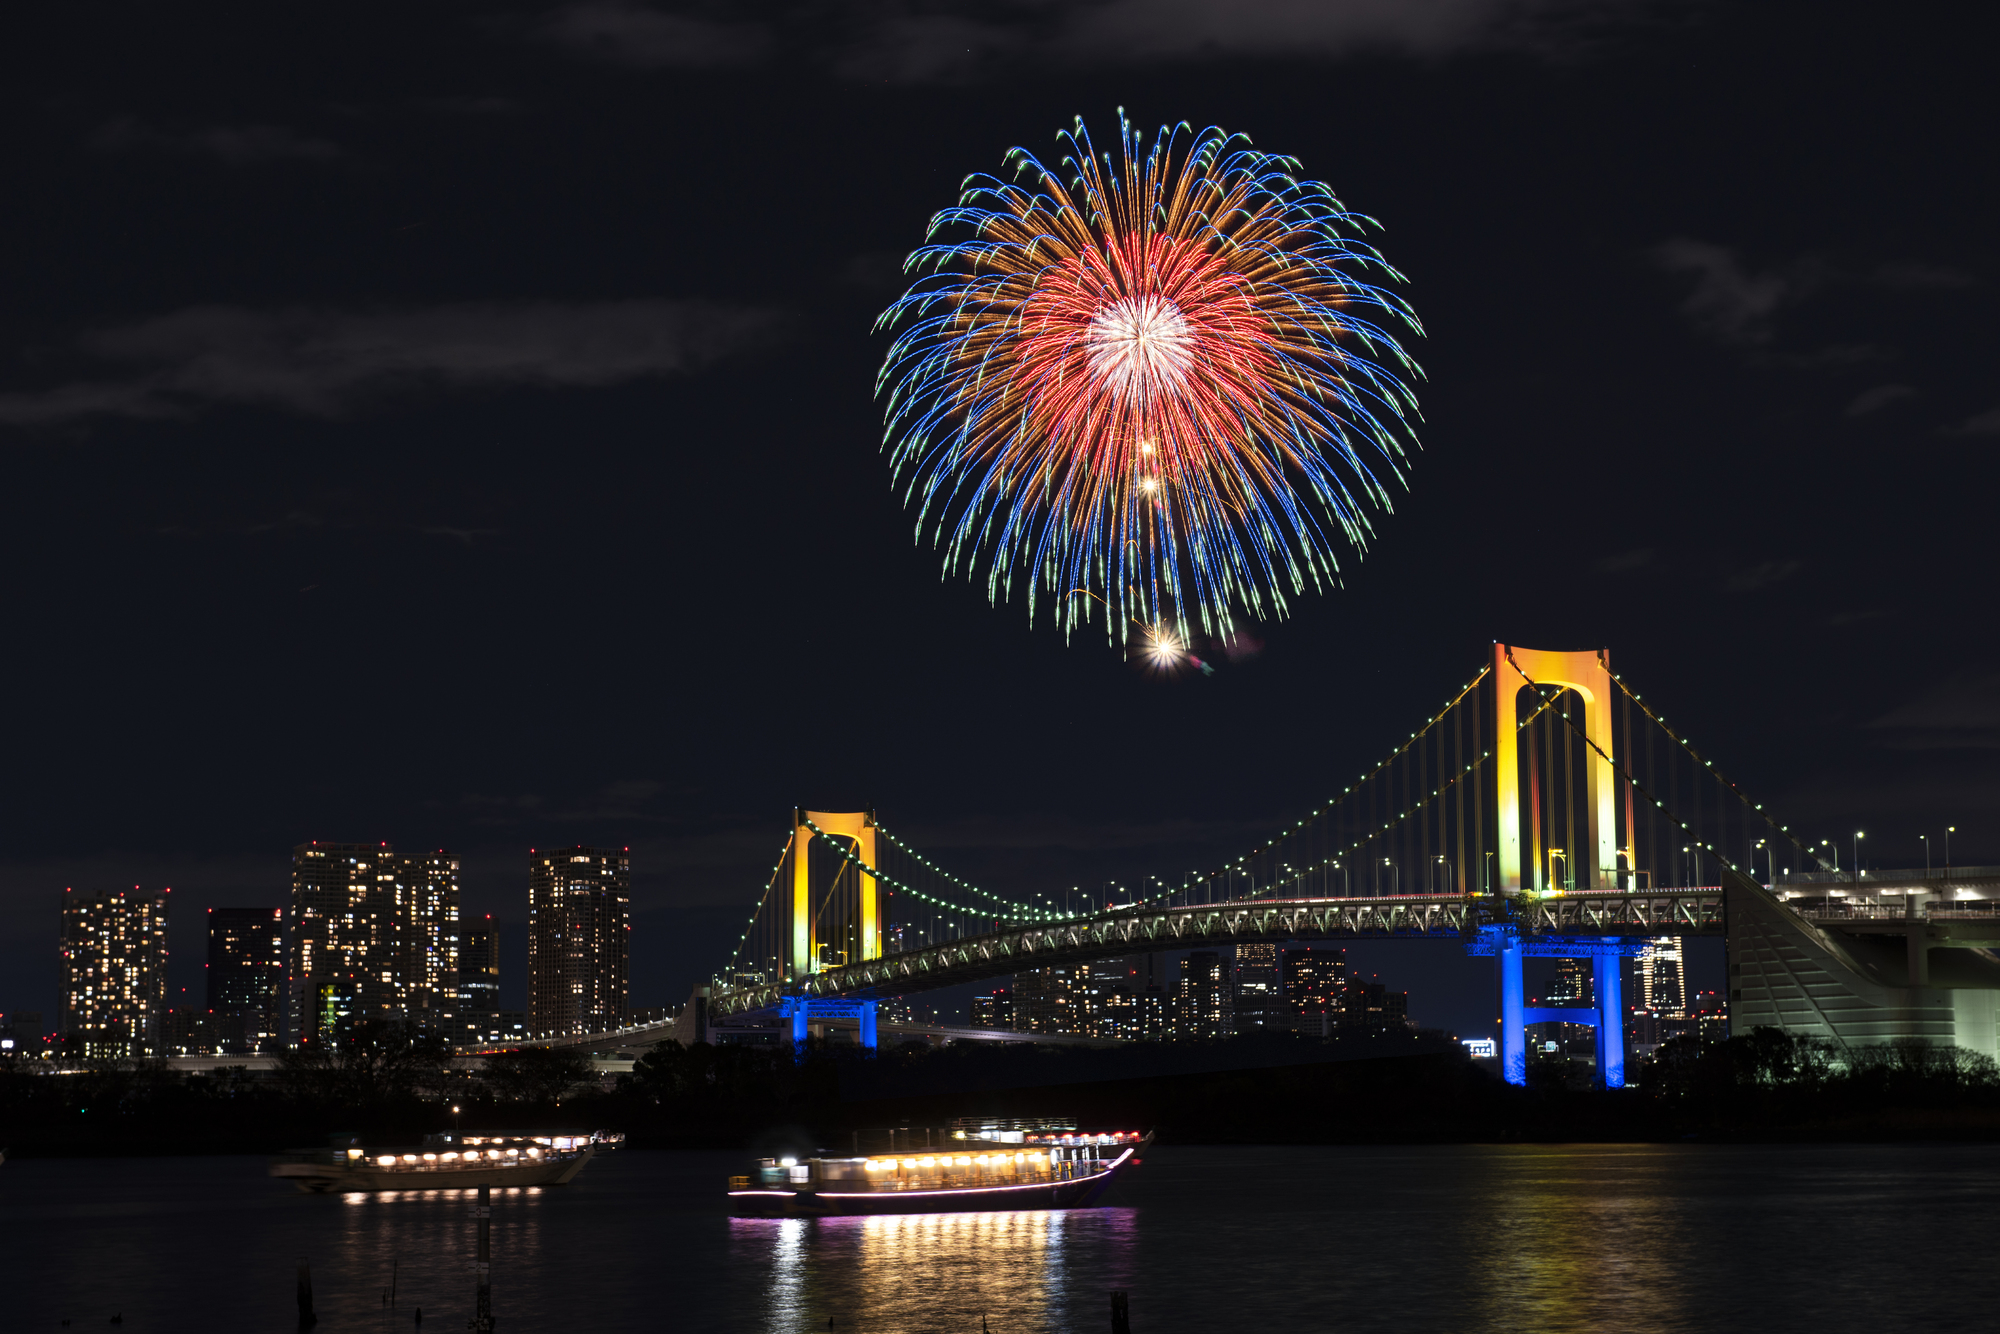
[1143,352]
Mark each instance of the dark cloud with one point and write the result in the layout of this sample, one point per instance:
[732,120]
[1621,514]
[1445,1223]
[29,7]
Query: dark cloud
[878,271]
[630,801]
[472,106]
[1764,574]
[1874,400]
[1832,355]
[1737,305]
[326,362]
[1916,275]
[911,43]
[1961,714]
[626,33]
[1626,561]
[236,145]
[1729,302]
[1984,423]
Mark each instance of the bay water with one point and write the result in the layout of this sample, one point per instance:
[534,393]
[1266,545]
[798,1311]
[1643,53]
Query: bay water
[1557,1238]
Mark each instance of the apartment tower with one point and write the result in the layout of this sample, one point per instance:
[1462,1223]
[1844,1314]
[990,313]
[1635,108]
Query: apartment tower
[246,977]
[579,940]
[374,935]
[114,971]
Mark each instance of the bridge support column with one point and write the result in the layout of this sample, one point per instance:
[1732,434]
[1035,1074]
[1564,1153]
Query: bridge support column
[799,1030]
[1513,1037]
[868,1025]
[1605,975]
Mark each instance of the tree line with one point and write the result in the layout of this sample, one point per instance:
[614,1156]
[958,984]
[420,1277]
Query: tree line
[393,1084]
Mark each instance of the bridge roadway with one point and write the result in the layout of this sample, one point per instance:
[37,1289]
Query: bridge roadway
[1685,912]
[1695,911]
[618,1048]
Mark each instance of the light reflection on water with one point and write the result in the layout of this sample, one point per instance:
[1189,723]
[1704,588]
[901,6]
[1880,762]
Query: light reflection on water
[1820,1239]
[419,1245]
[1579,1248]
[895,1272]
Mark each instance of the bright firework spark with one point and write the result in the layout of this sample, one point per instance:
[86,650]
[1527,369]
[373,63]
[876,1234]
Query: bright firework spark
[1162,647]
[1152,380]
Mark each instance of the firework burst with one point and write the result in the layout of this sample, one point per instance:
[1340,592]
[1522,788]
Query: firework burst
[1155,376]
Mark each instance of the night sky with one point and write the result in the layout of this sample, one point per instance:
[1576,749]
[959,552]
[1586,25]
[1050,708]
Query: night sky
[453,425]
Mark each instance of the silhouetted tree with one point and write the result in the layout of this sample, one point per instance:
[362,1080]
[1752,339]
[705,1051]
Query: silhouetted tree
[536,1074]
[366,1063]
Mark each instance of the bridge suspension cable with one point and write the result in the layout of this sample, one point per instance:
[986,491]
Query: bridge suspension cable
[1019,913]
[736,955]
[1735,788]
[1335,858]
[967,886]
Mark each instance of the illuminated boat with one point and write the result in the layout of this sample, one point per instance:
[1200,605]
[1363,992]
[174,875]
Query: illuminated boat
[442,1162]
[974,1167]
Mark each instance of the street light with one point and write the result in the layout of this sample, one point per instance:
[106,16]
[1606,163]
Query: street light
[1396,876]
[1927,854]
[1858,836]
[454,1122]
[1768,854]
[1949,830]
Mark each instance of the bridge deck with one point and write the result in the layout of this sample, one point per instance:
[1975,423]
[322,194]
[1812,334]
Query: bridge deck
[1692,911]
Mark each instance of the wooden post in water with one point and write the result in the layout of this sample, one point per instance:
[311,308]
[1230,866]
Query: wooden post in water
[306,1317]
[482,1314]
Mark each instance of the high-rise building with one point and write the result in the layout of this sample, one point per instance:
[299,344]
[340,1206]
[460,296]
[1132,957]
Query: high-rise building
[1572,987]
[579,940]
[187,1030]
[1710,1013]
[1123,998]
[994,1010]
[1371,1005]
[1202,999]
[246,977]
[1663,977]
[373,936]
[1259,1000]
[1103,998]
[479,968]
[23,1029]
[345,950]
[430,936]
[1315,989]
[1049,1000]
[114,971]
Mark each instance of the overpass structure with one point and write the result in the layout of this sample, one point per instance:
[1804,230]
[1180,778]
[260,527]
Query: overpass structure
[1545,810]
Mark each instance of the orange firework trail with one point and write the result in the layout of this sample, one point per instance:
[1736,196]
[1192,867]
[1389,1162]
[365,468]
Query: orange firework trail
[1154,377]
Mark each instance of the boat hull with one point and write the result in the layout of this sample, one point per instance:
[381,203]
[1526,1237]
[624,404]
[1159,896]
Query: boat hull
[1082,1193]
[338,1179]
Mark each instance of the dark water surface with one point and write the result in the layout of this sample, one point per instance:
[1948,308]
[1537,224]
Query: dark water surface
[1460,1238]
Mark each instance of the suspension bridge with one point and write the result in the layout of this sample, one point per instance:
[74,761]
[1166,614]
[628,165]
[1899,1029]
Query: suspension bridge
[1545,810]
